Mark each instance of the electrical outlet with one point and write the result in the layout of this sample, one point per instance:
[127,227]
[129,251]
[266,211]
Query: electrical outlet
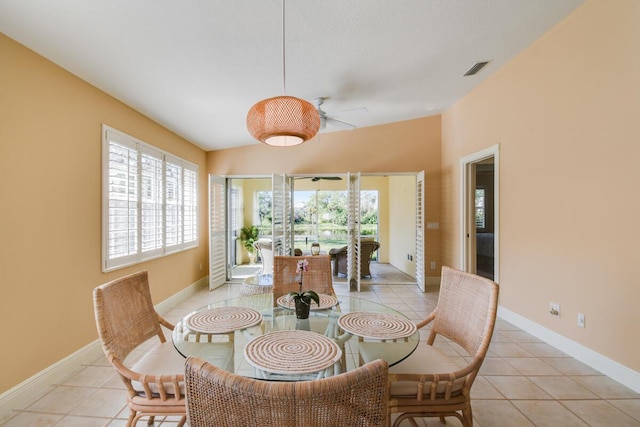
[554,309]
[580,320]
[433,265]
[200,266]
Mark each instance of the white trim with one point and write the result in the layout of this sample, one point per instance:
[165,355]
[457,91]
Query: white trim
[597,361]
[39,384]
[167,305]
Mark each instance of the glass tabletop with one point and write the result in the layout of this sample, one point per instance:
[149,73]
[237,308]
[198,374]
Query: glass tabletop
[259,280]
[220,331]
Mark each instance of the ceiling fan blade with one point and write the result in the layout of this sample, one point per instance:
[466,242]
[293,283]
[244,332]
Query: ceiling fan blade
[330,120]
[339,124]
[350,110]
[318,178]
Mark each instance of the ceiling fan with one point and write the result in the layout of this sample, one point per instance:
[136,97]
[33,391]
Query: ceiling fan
[318,178]
[329,120]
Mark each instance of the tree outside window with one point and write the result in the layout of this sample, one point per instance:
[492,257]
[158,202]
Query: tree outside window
[322,216]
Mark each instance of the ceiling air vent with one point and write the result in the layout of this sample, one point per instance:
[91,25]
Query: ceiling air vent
[477,67]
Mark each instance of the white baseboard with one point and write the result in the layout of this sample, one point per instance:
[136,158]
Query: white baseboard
[39,384]
[597,361]
[32,388]
[166,305]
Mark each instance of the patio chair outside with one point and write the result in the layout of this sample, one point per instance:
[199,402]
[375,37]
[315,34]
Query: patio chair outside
[367,248]
[264,247]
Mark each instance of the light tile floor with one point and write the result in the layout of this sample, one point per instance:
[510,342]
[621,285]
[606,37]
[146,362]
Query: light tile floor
[523,381]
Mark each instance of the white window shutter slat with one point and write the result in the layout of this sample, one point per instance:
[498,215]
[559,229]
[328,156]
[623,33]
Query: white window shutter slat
[420,279]
[150,201]
[217,232]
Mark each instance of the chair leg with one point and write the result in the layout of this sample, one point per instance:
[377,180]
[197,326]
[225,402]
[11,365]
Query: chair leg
[135,416]
[403,417]
[132,417]
[467,417]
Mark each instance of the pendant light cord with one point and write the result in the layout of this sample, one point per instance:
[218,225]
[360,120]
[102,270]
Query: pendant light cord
[284,61]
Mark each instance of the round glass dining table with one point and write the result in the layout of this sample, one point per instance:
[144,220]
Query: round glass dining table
[237,333]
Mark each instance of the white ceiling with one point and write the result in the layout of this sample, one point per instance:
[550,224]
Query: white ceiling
[197,66]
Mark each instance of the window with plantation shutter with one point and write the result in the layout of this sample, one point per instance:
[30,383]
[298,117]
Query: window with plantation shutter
[173,197]
[481,212]
[190,205]
[181,203]
[152,205]
[122,208]
[149,201]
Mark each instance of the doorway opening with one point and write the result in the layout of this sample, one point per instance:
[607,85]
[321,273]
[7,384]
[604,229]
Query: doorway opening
[480,213]
[315,217]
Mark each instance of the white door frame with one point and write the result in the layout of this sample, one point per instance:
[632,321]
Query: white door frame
[467,207]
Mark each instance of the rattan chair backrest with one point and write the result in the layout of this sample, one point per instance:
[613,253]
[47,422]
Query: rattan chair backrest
[466,310]
[219,398]
[126,318]
[317,278]
[125,315]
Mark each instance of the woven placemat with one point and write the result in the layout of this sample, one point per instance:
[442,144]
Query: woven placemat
[292,352]
[222,320]
[380,326]
[326,302]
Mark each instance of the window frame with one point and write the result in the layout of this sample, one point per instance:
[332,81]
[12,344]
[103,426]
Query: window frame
[144,206]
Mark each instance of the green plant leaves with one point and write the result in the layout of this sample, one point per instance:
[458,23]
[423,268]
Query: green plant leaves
[248,236]
[306,297]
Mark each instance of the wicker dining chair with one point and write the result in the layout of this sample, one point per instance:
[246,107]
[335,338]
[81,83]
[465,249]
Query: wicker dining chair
[126,318]
[317,278]
[219,398]
[429,383]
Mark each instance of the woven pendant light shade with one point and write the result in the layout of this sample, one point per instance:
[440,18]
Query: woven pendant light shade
[283,121]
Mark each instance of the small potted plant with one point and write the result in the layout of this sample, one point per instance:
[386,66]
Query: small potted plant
[248,236]
[302,299]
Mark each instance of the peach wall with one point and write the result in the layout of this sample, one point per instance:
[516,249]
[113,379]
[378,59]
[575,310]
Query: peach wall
[402,233]
[409,146]
[565,113]
[50,220]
